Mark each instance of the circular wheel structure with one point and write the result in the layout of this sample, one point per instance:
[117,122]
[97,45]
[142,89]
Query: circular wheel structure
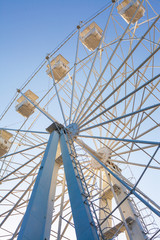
[82,149]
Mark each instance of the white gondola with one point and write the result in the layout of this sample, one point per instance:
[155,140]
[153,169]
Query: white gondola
[59,67]
[24,107]
[105,154]
[128,8]
[4,142]
[91,36]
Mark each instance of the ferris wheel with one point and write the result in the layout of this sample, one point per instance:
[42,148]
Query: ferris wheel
[80,154]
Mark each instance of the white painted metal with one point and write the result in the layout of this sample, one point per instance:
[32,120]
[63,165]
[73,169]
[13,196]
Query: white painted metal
[74,75]
[132,190]
[91,69]
[59,101]
[104,153]
[135,227]
[116,89]
[101,75]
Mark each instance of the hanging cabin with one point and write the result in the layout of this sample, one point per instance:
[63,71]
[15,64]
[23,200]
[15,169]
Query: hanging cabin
[105,155]
[91,36]
[127,9]
[4,142]
[59,66]
[24,107]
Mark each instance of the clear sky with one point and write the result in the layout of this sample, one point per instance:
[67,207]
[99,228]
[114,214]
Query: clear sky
[31,29]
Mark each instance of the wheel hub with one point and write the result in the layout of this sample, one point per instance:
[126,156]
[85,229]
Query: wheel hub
[71,128]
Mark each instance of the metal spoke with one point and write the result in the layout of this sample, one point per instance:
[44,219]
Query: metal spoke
[124,82]
[132,190]
[123,140]
[74,75]
[56,91]
[124,116]
[96,53]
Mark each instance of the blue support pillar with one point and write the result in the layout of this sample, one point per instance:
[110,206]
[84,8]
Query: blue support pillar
[36,224]
[83,220]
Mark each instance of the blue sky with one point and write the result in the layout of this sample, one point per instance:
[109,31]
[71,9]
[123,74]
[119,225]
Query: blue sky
[31,29]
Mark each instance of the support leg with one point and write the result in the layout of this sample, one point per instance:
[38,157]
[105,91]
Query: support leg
[37,220]
[83,221]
